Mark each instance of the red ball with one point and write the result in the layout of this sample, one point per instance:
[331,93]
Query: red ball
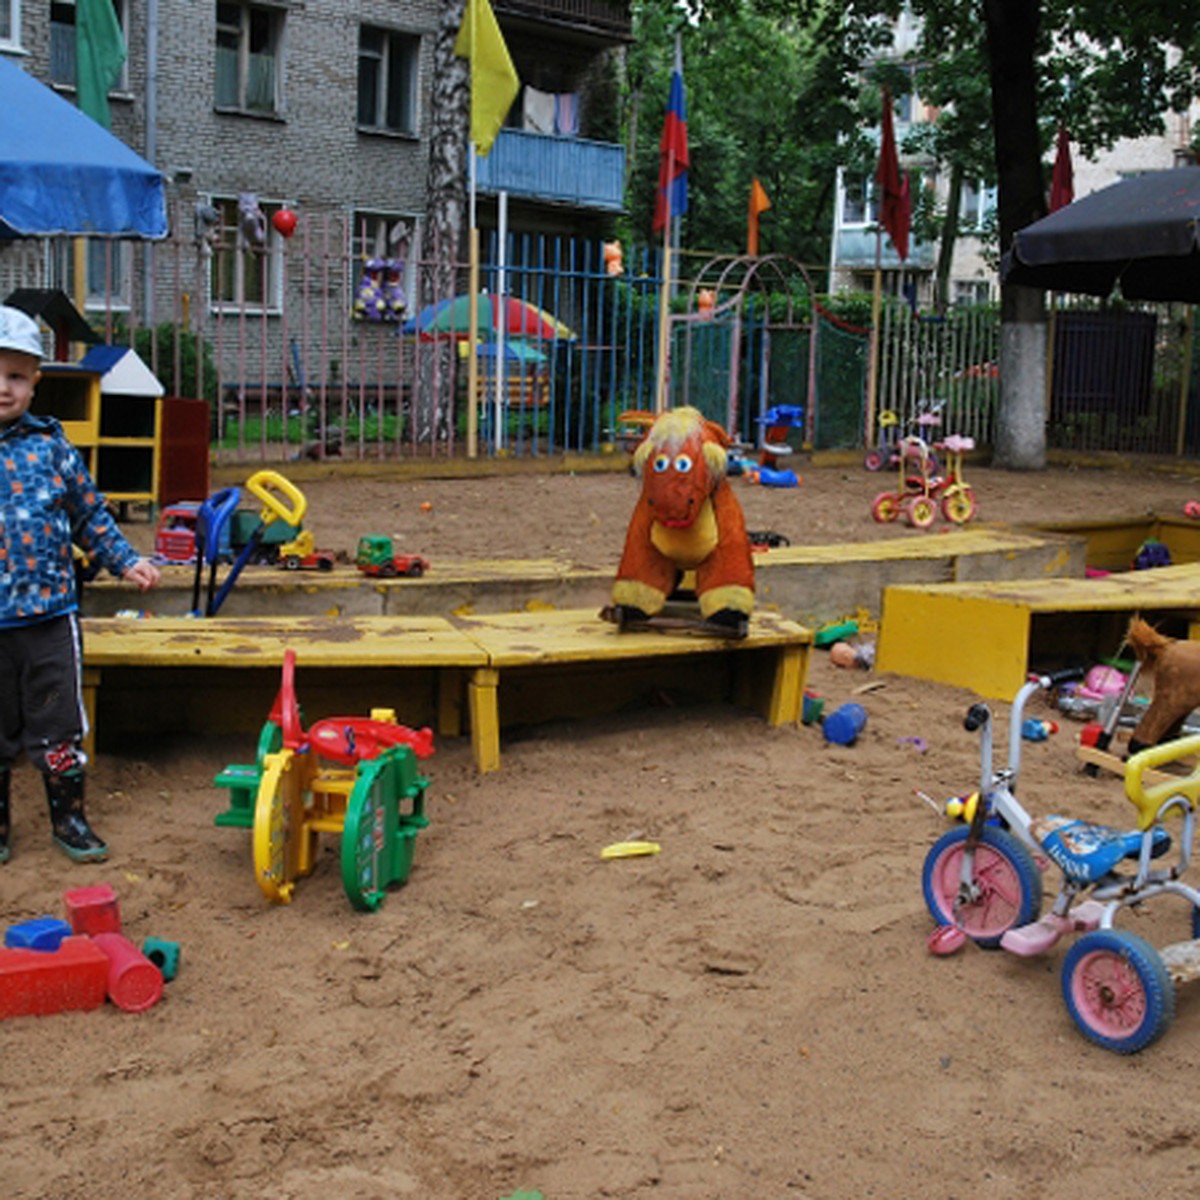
[285,222]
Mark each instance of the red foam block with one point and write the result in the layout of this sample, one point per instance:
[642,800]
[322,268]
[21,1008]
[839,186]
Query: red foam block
[38,982]
[134,982]
[93,910]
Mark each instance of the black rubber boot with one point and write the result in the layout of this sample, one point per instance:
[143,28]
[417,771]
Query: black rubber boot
[5,826]
[72,833]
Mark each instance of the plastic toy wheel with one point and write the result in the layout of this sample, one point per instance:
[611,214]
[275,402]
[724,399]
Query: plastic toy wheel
[283,848]
[291,563]
[1117,990]
[958,505]
[1009,884]
[920,512]
[415,571]
[885,507]
[875,460]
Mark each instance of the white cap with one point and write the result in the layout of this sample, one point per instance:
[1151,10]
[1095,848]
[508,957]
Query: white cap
[19,331]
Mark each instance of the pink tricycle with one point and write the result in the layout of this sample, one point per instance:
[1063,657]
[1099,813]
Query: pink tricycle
[923,491]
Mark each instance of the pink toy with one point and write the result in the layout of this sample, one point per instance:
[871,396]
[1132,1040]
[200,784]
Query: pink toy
[1100,682]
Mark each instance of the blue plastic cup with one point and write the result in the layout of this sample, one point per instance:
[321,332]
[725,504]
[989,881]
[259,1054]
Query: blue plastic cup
[844,724]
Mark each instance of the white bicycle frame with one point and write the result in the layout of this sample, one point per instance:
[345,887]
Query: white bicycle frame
[1115,890]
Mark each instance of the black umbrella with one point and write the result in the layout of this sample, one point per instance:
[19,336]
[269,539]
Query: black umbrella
[1140,235]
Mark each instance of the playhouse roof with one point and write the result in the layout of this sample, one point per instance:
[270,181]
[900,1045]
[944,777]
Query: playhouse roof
[122,372]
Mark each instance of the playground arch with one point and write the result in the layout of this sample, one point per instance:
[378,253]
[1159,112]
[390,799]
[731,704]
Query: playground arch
[735,359]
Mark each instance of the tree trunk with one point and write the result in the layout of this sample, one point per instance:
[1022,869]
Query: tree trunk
[445,203]
[1012,41]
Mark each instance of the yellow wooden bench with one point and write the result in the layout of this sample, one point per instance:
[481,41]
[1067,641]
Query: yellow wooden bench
[220,675]
[557,664]
[988,636]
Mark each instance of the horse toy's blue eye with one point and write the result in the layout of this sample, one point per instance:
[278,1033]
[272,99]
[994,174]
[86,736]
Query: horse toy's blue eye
[683,464]
[661,463]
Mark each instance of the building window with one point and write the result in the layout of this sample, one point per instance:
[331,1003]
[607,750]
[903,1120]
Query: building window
[249,40]
[858,201]
[969,292]
[10,22]
[107,265]
[387,80]
[62,42]
[976,202]
[247,260]
[381,235]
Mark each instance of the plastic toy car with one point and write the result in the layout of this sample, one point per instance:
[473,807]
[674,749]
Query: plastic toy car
[376,555]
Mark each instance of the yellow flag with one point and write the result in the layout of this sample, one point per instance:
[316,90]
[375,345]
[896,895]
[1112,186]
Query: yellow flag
[494,82]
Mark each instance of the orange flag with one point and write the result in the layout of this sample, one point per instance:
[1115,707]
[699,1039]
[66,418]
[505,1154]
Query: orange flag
[759,203]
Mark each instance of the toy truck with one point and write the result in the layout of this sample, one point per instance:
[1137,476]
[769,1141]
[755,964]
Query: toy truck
[175,534]
[301,554]
[377,556]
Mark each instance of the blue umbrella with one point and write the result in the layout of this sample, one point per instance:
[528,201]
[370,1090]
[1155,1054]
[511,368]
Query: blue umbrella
[61,173]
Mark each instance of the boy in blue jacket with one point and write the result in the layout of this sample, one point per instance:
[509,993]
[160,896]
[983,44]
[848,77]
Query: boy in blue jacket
[47,502]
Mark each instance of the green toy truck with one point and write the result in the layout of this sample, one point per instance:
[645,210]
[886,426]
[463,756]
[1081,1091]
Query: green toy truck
[377,556]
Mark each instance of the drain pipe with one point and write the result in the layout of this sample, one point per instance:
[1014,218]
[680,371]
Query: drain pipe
[151,100]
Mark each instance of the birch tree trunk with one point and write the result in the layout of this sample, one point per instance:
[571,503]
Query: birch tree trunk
[445,204]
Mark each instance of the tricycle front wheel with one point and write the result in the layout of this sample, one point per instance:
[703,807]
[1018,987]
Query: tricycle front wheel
[1010,887]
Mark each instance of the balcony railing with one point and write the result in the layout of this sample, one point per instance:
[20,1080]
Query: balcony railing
[612,17]
[856,248]
[555,170]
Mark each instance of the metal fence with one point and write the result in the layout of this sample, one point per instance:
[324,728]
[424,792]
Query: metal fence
[297,348]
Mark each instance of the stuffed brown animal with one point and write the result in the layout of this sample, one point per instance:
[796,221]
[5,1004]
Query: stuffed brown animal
[1176,668]
[687,518]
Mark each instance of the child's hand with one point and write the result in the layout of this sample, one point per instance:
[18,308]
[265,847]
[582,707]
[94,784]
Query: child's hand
[144,573]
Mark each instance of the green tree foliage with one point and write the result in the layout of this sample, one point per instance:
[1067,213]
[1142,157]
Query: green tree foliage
[769,94]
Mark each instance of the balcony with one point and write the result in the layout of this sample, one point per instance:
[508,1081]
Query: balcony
[555,170]
[609,19]
[855,249]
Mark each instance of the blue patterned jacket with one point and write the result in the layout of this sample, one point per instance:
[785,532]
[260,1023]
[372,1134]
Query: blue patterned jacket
[48,501]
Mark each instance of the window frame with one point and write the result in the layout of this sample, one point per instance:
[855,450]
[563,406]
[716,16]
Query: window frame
[242,103]
[13,40]
[228,247]
[62,47]
[396,44]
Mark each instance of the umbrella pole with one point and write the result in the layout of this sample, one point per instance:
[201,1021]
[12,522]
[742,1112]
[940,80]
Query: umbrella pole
[473,322]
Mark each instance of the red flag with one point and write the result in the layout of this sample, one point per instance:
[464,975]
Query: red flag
[759,203]
[1062,183]
[673,153]
[895,209]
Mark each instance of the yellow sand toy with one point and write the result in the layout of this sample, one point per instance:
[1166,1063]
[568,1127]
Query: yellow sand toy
[353,776]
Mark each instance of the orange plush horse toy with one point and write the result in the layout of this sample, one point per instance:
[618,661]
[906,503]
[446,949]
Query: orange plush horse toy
[687,518]
[1176,668]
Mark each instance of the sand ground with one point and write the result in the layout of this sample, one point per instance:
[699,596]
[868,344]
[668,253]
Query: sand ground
[750,1013]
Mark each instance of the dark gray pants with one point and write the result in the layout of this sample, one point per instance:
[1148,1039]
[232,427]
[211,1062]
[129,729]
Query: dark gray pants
[41,695]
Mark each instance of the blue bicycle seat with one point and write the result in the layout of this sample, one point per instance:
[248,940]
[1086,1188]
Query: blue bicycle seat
[1088,852]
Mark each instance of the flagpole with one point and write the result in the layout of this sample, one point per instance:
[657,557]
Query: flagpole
[664,307]
[472,321]
[873,359]
[502,319]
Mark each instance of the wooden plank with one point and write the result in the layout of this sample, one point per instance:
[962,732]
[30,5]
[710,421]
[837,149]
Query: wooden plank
[258,641]
[770,664]
[578,635]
